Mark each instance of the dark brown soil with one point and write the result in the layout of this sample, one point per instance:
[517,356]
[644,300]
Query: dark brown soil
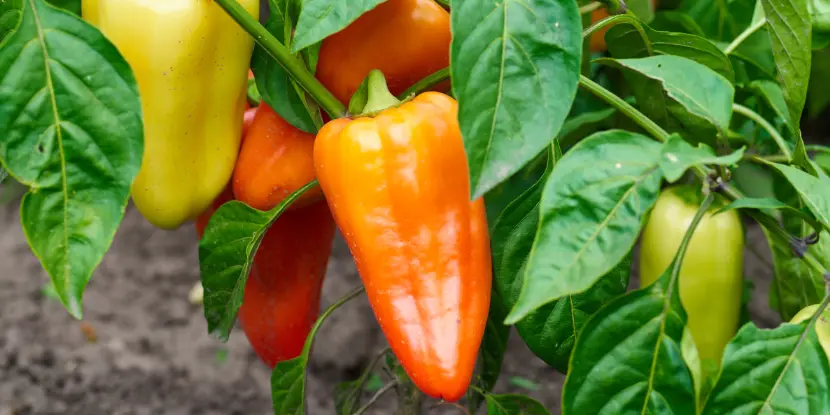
[143,348]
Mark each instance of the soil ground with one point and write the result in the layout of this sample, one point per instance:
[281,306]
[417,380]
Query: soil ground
[142,348]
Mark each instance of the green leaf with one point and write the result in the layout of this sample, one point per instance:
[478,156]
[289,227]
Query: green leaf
[322,18]
[497,199]
[71,127]
[674,21]
[680,94]
[678,156]
[226,253]
[10,13]
[493,348]
[72,6]
[551,330]
[769,204]
[814,191]
[628,356]
[288,378]
[624,42]
[783,370]
[773,96]
[795,285]
[643,9]
[582,125]
[515,69]
[590,217]
[524,383]
[788,23]
[273,82]
[514,405]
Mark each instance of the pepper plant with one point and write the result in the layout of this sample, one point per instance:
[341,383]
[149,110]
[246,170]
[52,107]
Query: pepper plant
[561,131]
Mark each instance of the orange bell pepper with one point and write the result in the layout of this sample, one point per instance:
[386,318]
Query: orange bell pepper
[398,186]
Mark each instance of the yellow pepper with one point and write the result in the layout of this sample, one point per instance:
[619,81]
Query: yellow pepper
[191,62]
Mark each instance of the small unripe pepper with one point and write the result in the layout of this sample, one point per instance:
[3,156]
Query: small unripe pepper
[398,186]
[191,63]
[711,277]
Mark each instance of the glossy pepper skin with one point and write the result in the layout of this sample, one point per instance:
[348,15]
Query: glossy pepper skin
[711,277]
[191,63]
[405,39]
[398,187]
[282,295]
[275,161]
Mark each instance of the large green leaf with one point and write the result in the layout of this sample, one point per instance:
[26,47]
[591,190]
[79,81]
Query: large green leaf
[819,15]
[789,33]
[550,331]
[226,254]
[680,94]
[629,357]
[784,370]
[772,96]
[277,88]
[71,127]
[589,217]
[515,69]
[625,42]
[321,18]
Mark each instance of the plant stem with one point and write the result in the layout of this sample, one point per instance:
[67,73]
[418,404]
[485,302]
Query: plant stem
[378,395]
[758,119]
[743,36]
[590,7]
[426,83]
[702,172]
[612,20]
[378,96]
[818,149]
[278,51]
[624,107]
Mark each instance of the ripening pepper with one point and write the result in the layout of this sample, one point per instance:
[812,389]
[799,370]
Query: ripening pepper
[275,161]
[191,63]
[282,295]
[397,184]
[711,276]
[405,39]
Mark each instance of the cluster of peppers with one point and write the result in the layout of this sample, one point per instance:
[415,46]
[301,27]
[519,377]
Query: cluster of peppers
[395,182]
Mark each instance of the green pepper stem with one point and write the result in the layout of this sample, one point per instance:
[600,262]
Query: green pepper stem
[278,51]
[431,80]
[379,98]
[754,116]
[744,35]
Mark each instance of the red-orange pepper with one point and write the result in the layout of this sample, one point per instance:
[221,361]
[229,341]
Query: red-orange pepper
[398,186]
[405,39]
[275,160]
[282,294]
